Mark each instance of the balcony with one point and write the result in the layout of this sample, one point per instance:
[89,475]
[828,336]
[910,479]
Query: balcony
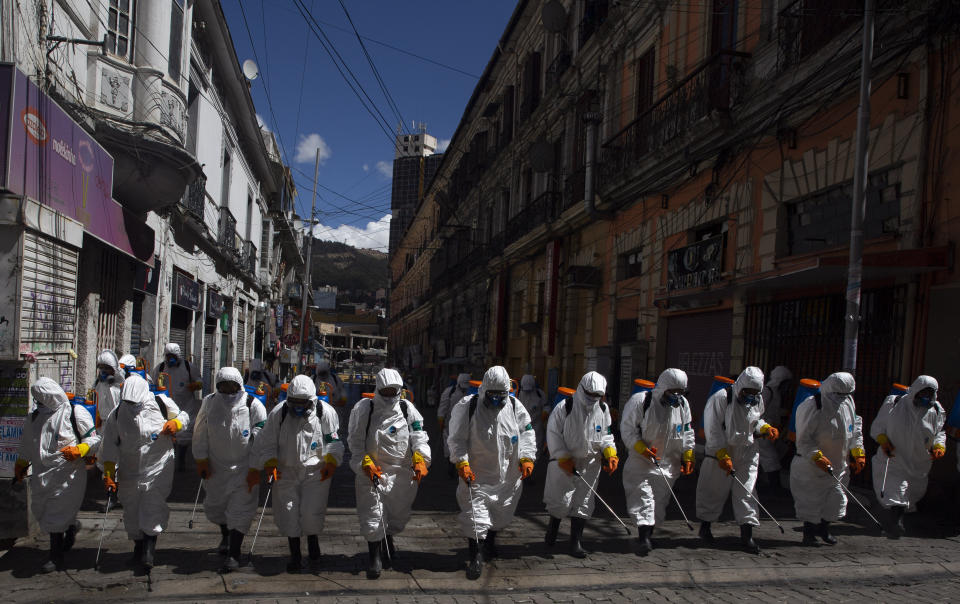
[194,198]
[558,67]
[717,85]
[806,26]
[227,236]
[594,14]
[542,210]
[248,259]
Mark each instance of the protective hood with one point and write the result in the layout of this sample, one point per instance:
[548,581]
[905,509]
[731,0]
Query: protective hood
[230,374]
[128,361]
[591,382]
[528,383]
[387,378]
[751,377]
[302,387]
[48,393]
[496,378]
[136,390]
[837,386]
[921,383]
[172,349]
[463,381]
[108,358]
[779,375]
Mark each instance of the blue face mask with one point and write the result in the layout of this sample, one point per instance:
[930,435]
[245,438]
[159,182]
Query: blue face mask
[924,402]
[494,400]
[749,400]
[672,399]
[172,361]
[104,376]
[298,411]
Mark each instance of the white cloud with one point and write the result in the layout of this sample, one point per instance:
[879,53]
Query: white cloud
[366,167]
[385,169]
[375,235]
[442,145]
[307,147]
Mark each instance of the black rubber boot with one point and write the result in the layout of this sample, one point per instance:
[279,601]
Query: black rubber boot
[137,557]
[293,566]
[56,554]
[643,537]
[824,533]
[313,547]
[746,539]
[576,535]
[149,551]
[224,548]
[490,546]
[552,530]
[375,564]
[232,562]
[705,533]
[475,564]
[810,533]
[70,537]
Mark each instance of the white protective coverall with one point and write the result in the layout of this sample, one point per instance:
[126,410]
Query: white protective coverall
[56,485]
[391,442]
[493,442]
[733,429]
[584,434]
[144,457]
[913,431]
[534,400]
[182,375]
[773,408]
[300,446]
[448,399]
[835,430]
[223,434]
[108,389]
[668,429]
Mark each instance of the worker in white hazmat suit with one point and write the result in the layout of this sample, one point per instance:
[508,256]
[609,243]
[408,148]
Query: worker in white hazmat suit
[829,438]
[56,438]
[138,439]
[493,446]
[580,438]
[390,458]
[109,382]
[184,383]
[223,436]
[733,425]
[535,401]
[300,448]
[909,432]
[775,406]
[448,399]
[656,425]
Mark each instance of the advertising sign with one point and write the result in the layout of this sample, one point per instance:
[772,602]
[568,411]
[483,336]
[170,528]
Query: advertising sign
[186,292]
[696,265]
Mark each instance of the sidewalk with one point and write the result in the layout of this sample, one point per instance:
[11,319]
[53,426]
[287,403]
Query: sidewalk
[924,566]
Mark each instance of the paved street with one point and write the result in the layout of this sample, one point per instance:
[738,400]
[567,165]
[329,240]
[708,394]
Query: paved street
[924,566]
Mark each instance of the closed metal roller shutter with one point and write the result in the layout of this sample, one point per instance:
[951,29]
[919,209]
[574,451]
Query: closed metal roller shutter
[209,330]
[241,353]
[180,327]
[699,344]
[48,303]
[136,319]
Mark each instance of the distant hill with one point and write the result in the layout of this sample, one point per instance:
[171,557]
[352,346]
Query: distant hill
[355,270]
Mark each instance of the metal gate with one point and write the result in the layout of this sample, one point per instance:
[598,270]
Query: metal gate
[180,328]
[700,345]
[241,350]
[806,335]
[209,329]
[108,313]
[136,319]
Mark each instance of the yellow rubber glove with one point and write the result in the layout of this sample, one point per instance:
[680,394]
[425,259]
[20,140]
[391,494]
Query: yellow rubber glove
[566,464]
[526,468]
[463,469]
[270,466]
[724,461]
[822,462]
[372,470]
[689,459]
[937,452]
[648,452]
[172,427]
[329,467]
[74,453]
[884,441]
[419,467]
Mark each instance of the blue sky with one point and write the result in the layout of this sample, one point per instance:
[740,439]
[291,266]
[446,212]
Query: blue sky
[356,152]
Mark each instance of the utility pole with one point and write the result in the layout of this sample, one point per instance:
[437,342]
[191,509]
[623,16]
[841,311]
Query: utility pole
[861,170]
[306,276]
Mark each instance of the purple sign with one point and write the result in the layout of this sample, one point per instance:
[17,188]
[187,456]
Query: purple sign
[51,159]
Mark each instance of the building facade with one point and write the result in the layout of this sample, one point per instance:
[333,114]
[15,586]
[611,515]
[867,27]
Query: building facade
[641,186]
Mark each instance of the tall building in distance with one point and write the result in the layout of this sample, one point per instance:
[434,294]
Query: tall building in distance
[414,165]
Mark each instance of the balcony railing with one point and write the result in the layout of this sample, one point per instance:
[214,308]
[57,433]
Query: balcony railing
[717,85]
[194,198]
[544,209]
[248,258]
[594,14]
[228,231]
[557,68]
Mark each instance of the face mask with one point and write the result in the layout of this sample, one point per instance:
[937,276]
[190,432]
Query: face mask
[299,411]
[672,399]
[924,402]
[104,376]
[591,398]
[749,400]
[494,400]
[173,362]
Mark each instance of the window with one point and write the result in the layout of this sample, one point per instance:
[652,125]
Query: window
[176,39]
[630,264]
[118,27]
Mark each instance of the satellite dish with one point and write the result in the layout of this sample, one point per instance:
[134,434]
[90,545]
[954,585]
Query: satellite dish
[250,69]
[554,16]
[541,155]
